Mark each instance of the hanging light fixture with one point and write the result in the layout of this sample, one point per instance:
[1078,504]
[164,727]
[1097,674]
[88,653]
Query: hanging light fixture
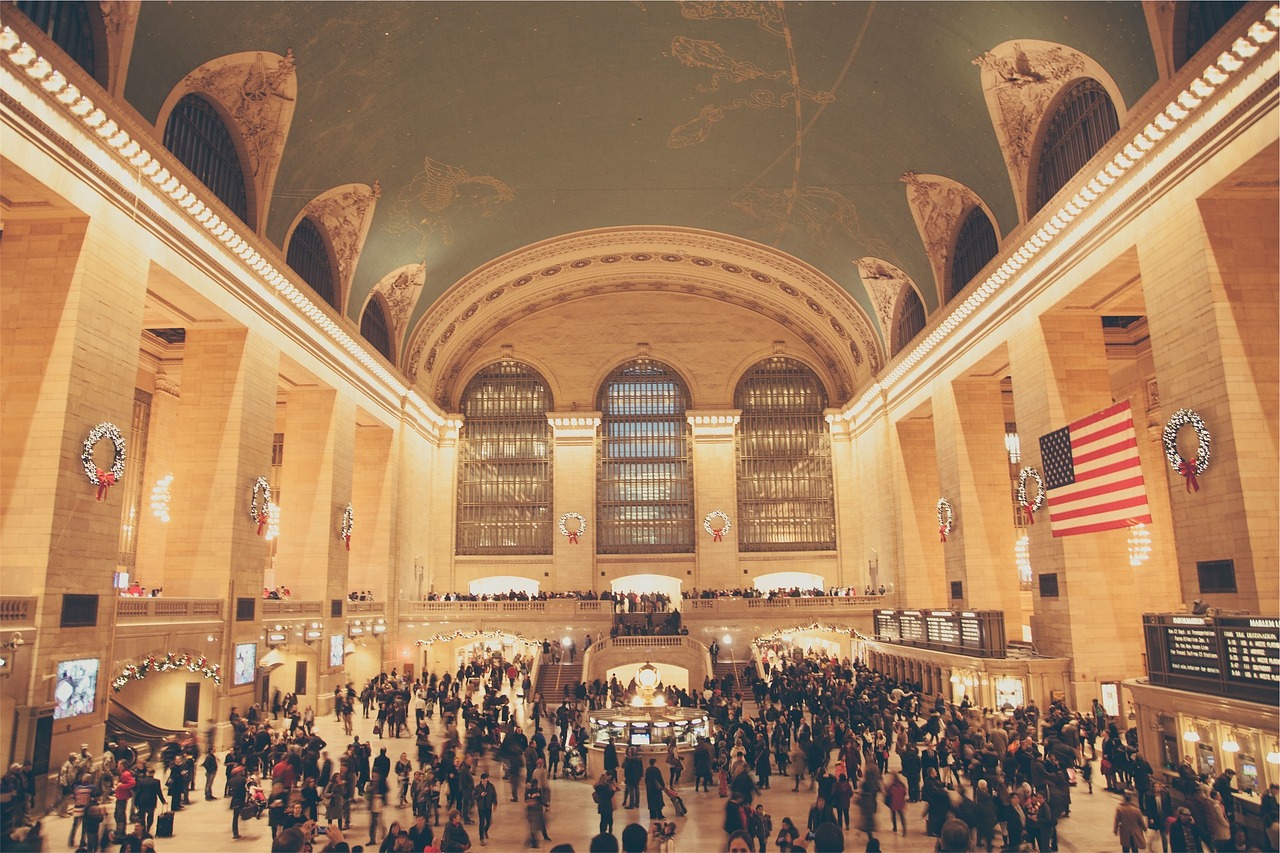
[273,521]
[1231,744]
[1139,544]
[1191,735]
[160,497]
[1014,446]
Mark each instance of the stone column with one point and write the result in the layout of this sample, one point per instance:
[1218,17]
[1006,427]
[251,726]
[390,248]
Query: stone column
[715,484]
[1210,279]
[973,474]
[442,547]
[373,501]
[163,448]
[574,490]
[876,510]
[315,488]
[922,581]
[1060,374]
[71,305]
[850,560]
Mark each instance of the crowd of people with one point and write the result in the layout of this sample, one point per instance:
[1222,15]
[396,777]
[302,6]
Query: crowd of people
[782,592]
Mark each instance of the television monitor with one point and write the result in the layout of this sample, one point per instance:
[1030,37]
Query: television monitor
[246,663]
[76,688]
[337,649]
[639,738]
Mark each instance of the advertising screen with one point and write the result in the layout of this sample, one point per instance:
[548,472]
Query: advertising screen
[246,663]
[337,647]
[76,688]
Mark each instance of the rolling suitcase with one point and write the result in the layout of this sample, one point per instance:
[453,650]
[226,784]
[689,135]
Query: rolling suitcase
[164,825]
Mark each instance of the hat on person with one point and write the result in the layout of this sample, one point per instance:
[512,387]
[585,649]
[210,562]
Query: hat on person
[484,775]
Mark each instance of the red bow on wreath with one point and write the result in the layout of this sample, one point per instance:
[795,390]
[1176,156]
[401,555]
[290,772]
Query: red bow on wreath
[1188,470]
[717,535]
[262,520]
[942,532]
[1031,514]
[573,538]
[347,538]
[105,481]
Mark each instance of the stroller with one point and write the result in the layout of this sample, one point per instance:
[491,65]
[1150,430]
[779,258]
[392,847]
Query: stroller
[255,801]
[574,767]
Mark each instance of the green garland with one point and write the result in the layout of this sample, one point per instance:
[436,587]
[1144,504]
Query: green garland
[171,660]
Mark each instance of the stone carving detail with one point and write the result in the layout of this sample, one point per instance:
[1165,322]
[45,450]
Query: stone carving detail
[1019,79]
[886,285]
[165,384]
[259,91]
[120,21]
[344,214]
[938,205]
[400,290]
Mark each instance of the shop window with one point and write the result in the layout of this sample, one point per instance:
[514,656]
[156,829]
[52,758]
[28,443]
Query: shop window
[1049,585]
[1217,575]
[68,24]
[786,496]
[504,463]
[976,245]
[197,136]
[309,257]
[1084,121]
[373,328]
[644,473]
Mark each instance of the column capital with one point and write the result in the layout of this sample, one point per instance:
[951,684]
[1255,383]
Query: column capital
[713,423]
[451,428]
[571,426]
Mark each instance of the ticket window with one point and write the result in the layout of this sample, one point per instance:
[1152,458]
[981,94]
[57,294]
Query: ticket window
[1010,693]
[1206,759]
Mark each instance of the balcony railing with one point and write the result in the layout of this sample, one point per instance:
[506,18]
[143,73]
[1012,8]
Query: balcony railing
[378,607]
[133,610]
[271,607]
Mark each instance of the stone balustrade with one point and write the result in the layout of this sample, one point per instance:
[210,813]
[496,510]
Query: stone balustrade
[135,610]
[17,611]
[271,607]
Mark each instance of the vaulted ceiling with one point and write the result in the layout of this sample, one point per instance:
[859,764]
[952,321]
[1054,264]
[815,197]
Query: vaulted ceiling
[493,126]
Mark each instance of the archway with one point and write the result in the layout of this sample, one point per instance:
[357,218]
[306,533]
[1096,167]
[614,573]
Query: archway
[789,580]
[641,584]
[503,584]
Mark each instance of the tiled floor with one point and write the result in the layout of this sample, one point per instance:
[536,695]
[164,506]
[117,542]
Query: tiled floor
[206,826]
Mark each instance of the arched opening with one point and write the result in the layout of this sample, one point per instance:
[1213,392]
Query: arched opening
[309,256]
[504,463]
[786,497]
[1083,122]
[70,25]
[374,329]
[640,584]
[644,479]
[197,136]
[504,585]
[976,245]
[909,322]
[804,581]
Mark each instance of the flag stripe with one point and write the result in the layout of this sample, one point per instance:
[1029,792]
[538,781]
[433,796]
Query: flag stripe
[1139,499]
[1102,452]
[1098,474]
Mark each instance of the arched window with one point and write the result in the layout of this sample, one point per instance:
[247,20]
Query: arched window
[504,463]
[67,23]
[910,320]
[1204,19]
[1084,121]
[196,136]
[786,500]
[645,470]
[309,257]
[373,328]
[976,245]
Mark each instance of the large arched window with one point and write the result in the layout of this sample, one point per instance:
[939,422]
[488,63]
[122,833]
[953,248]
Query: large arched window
[786,500]
[373,328]
[645,470]
[1204,19]
[309,257]
[196,136]
[67,23]
[504,463]
[976,245]
[910,320]
[1084,121]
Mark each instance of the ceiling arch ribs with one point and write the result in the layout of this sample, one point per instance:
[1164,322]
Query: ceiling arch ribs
[343,214]
[688,261]
[939,206]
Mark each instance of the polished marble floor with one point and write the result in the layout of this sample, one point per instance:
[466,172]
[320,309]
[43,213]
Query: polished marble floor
[206,826]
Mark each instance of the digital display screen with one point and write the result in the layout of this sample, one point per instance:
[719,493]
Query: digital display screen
[639,738]
[337,648]
[246,663]
[76,688]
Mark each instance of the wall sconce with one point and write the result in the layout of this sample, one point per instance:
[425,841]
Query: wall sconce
[9,653]
[273,521]
[1013,445]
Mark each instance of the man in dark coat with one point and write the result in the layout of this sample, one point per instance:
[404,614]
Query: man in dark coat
[146,795]
[653,785]
[632,770]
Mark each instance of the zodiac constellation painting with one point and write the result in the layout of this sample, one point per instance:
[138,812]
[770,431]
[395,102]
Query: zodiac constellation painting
[438,195]
[821,212]
[768,16]
[700,53]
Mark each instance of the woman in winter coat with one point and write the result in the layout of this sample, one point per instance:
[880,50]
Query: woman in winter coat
[1219,825]
[1130,826]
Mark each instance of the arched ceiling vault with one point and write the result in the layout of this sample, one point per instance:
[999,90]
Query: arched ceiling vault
[715,266]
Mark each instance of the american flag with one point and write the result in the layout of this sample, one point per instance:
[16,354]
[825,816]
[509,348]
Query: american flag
[1093,477]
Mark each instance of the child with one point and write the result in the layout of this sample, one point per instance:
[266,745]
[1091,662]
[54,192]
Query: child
[1086,771]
